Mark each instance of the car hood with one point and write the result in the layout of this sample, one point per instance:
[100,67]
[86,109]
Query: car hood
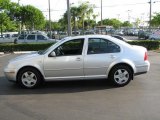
[25,56]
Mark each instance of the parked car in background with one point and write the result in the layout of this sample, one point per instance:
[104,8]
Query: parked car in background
[61,35]
[33,38]
[8,38]
[2,36]
[119,32]
[155,35]
[80,57]
[120,37]
[76,33]
[89,33]
[143,34]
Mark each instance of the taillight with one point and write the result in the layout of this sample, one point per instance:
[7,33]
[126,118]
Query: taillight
[145,56]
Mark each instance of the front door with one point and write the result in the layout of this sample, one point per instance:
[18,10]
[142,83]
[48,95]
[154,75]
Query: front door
[68,62]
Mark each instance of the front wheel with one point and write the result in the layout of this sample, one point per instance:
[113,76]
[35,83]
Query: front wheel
[29,78]
[120,75]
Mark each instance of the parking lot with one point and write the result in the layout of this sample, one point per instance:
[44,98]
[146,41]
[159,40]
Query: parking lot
[83,100]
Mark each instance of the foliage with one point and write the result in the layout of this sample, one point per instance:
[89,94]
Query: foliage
[5,23]
[156,20]
[149,44]
[4,4]
[126,24]
[54,26]
[32,17]
[111,22]
[80,16]
[23,47]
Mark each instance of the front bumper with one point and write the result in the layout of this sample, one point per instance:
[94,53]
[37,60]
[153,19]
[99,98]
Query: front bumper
[10,74]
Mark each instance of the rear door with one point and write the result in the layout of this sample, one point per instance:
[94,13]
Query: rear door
[100,54]
[31,39]
[41,38]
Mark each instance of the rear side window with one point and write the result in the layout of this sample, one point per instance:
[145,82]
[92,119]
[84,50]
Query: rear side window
[22,37]
[31,37]
[41,37]
[99,45]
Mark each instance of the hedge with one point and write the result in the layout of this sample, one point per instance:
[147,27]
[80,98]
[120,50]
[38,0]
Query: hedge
[149,44]
[23,47]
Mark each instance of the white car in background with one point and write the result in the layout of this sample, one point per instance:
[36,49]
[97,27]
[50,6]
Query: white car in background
[80,57]
[33,38]
[155,35]
[8,38]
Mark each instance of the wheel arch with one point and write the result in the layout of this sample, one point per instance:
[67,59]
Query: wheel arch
[122,63]
[24,67]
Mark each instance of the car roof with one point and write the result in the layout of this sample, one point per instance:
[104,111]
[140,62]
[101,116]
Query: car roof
[98,36]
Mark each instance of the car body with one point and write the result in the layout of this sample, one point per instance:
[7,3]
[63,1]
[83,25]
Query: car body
[8,38]
[76,33]
[143,34]
[80,57]
[33,38]
[119,32]
[89,33]
[61,35]
[155,35]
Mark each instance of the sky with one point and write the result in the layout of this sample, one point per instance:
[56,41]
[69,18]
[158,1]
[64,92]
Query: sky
[123,10]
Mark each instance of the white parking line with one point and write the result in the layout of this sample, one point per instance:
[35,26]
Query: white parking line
[4,55]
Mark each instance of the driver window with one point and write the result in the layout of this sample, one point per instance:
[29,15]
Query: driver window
[72,47]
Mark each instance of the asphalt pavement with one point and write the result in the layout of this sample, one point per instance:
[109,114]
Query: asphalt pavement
[83,100]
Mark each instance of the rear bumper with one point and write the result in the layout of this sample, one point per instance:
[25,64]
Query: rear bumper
[142,69]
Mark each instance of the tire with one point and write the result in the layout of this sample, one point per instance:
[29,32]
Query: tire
[29,78]
[15,41]
[120,75]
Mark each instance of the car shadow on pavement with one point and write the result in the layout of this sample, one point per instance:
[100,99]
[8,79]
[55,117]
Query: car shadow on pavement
[9,88]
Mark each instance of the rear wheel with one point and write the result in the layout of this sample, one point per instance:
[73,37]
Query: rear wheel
[29,78]
[152,38]
[120,75]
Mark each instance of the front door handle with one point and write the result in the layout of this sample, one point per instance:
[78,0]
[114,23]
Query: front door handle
[78,59]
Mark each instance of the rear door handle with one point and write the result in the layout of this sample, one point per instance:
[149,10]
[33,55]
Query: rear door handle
[113,56]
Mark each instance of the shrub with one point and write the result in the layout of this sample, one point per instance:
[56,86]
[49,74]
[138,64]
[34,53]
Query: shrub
[149,44]
[23,47]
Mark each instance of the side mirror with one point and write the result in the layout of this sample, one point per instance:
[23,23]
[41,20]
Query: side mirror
[52,54]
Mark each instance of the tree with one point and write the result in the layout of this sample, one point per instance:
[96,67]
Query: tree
[5,23]
[32,17]
[156,20]
[137,22]
[74,16]
[4,4]
[111,22]
[54,26]
[126,24]
[80,16]
[85,12]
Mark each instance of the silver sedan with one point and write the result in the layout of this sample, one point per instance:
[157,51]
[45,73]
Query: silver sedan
[80,57]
